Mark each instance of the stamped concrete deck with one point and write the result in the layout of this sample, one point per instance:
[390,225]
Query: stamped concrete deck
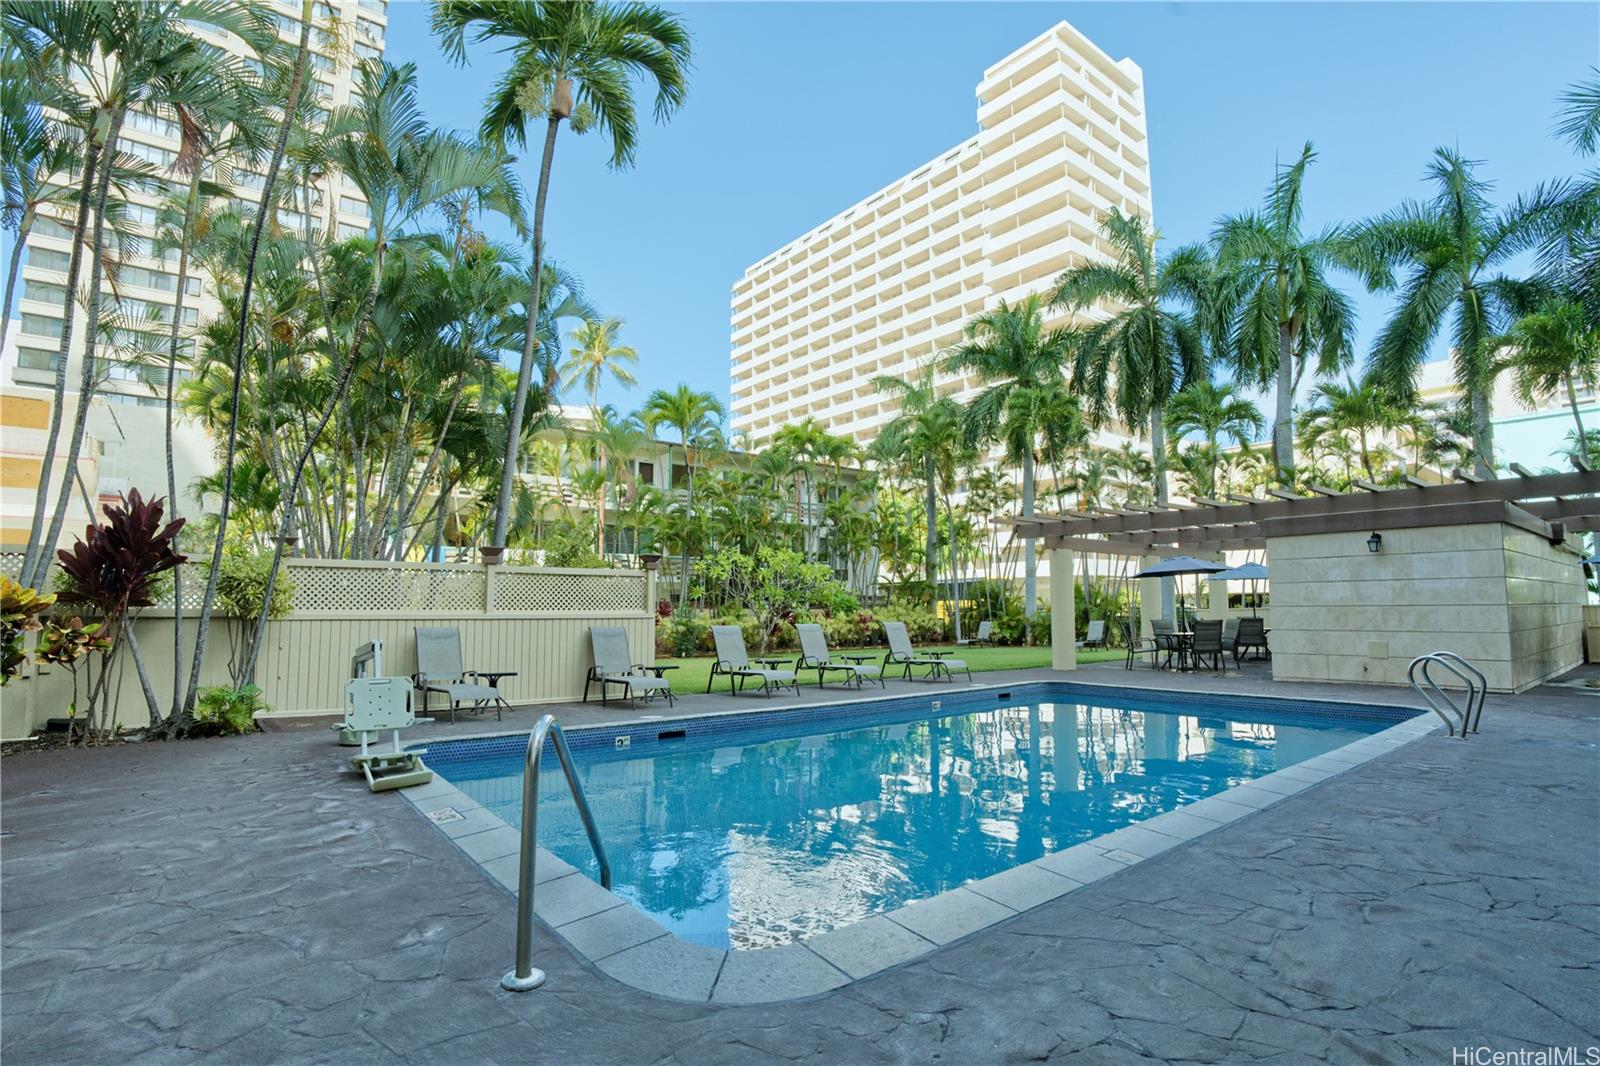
[240,901]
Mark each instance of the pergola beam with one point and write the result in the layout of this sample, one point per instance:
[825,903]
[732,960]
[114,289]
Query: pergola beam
[1370,504]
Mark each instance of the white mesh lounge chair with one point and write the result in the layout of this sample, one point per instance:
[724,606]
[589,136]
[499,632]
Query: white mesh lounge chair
[439,669]
[985,635]
[373,704]
[901,653]
[814,656]
[733,660]
[614,665]
[1095,636]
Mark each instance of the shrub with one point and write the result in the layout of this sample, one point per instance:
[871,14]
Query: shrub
[923,625]
[775,584]
[682,635]
[241,588]
[228,711]
[20,608]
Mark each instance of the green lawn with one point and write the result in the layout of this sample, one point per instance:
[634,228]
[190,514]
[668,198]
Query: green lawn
[692,674]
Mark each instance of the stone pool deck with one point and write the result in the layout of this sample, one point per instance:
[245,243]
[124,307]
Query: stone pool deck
[241,901]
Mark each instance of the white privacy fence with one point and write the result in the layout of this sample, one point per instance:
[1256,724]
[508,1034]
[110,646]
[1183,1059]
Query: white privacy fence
[534,620]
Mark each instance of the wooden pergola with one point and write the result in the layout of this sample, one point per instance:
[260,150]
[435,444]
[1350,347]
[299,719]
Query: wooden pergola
[1548,505]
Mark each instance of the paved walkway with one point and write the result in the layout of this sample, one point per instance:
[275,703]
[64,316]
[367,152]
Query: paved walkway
[238,901]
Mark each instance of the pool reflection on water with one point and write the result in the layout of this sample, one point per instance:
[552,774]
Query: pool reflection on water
[771,841]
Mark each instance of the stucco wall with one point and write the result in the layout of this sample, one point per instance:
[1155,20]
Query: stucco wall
[1503,598]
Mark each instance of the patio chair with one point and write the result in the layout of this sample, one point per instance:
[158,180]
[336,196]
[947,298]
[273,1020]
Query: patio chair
[1166,640]
[439,669]
[1095,637]
[734,660]
[373,704]
[985,635]
[1252,634]
[901,653]
[1207,643]
[1230,634]
[1137,646]
[614,665]
[814,655]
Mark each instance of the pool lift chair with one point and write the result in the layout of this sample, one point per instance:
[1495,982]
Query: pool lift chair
[375,704]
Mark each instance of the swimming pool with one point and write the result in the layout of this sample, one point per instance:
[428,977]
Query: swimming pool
[760,830]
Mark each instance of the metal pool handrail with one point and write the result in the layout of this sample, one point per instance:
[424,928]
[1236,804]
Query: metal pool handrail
[524,977]
[1477,690]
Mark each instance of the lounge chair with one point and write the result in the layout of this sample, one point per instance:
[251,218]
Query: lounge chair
[901,653]
[985,635]
[614,665]
[1207,643]
[372,704]
[1252,634]
[1137,646]
[1230,634]
[439,669]
[814,656]
[734,660]
[1095,637]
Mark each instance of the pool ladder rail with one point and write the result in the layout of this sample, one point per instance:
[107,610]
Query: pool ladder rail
[1466,718]
[524,977]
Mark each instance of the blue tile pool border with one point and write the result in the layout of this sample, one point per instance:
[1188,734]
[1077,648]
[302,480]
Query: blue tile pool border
[623,942]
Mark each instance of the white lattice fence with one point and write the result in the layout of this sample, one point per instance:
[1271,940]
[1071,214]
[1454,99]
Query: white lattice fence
[569,591]
[325,586]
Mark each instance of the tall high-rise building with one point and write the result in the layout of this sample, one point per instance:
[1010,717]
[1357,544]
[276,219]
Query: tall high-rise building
[883,286]
[146,284]
[132,367]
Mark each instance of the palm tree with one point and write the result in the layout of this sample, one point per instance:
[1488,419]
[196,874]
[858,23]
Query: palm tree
[572,61]
[595,354]
[1023,366]
[1552,349]
[1287,313]
[33,150]
[926,428]
[1363,407]
[402,168]
[1146,344]
[93,63]
[1449,246]
[696,416]
[1214,412]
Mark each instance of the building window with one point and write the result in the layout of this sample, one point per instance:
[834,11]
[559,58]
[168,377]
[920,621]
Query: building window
[41,325]
[347,231]
[38,359]
[44,292]
[647,473]
[49,227]
[680,476]
[352,206]
[48,259]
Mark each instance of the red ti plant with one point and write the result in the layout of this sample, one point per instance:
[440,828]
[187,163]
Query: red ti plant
[112,570]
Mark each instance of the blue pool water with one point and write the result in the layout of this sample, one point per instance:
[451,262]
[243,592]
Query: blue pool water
[762,832]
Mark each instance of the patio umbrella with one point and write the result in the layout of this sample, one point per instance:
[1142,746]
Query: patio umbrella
[1251,572]
[1179,565]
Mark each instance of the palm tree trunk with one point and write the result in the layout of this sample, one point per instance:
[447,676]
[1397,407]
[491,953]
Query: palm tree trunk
[1572,401]
[1158,451]
[203,626]
[190,204]
[1283,418]
[955,564]
[1030,562]
[86,380]
[530,342]
[24,227]
[38,550]
[688,521]
[1482,433]
[931,513]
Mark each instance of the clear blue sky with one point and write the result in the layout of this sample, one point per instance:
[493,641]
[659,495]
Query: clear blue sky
[798,110]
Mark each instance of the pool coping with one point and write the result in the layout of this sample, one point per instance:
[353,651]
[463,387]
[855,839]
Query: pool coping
[623,942]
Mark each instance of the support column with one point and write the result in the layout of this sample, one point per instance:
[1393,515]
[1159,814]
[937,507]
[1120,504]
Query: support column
[1063,611]
[1155,597]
